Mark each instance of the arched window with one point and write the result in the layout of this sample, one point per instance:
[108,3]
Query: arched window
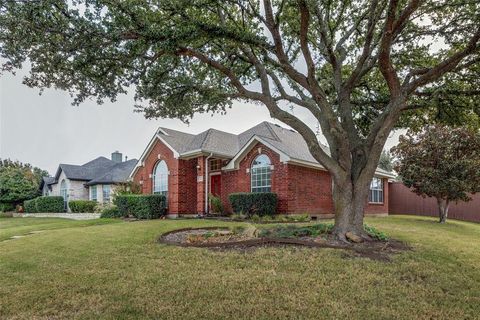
[160,178]
[261,174]
[63,192]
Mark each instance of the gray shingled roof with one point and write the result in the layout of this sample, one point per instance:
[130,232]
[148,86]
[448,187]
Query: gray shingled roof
[224,143]
[101,169]
[116,174]
[48,180]
[218,142]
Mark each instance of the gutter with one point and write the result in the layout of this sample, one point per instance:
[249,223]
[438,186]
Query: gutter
[206,182]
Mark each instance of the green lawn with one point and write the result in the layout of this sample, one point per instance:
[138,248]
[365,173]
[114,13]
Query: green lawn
[105,269]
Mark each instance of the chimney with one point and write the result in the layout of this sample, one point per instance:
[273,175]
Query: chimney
[116,157]
[126,158]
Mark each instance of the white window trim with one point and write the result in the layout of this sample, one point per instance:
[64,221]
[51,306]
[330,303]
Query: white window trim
[381,190]
[103,192]
[269,166]
[94,187]
[164,192]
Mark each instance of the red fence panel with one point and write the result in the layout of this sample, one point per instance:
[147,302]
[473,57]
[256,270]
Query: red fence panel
[403,201]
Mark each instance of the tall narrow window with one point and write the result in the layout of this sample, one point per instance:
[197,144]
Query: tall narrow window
[160,178]
[63,193]
[261,174]
[106,192]
[93,193]
[376,191]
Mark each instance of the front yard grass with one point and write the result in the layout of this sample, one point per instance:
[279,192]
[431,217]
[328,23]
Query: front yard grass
[105,269]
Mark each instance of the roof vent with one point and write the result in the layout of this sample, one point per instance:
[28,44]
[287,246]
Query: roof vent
[116,157]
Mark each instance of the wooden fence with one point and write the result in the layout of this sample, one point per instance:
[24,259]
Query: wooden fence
[403,201]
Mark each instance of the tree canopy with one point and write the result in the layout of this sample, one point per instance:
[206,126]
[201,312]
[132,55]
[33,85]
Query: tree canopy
[359,68]
[440,162]
[19,182]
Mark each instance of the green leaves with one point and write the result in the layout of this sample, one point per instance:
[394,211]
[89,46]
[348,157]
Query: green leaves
[441,162]
[19,181]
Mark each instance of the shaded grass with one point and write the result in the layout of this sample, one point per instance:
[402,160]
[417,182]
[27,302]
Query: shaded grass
[118,271]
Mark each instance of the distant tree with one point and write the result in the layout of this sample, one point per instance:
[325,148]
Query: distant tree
[386,161]
[440,162]
[19,182]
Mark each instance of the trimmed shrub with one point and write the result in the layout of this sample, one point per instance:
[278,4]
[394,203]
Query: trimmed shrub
[126,204]
[30,206]
[150,206]
[82,205]
[44,204]
[49,204]
[110,212]
[255,203]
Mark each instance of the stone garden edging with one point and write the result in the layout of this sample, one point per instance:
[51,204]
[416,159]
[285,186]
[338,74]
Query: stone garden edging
[73,216]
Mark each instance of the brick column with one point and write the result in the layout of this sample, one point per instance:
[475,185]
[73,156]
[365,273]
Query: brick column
[201,185]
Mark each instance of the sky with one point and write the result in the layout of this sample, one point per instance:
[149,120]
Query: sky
[46,130]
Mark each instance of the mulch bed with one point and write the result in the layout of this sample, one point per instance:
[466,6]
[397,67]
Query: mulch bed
[375,250]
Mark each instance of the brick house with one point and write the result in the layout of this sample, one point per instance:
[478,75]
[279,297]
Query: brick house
[187,168]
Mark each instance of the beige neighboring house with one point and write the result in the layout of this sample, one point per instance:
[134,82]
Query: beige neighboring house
[94,180]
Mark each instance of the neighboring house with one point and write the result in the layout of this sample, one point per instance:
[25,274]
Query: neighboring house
[266,158]
[46,185]
[94,180]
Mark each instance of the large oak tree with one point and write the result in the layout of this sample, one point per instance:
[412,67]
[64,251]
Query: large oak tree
[360,68]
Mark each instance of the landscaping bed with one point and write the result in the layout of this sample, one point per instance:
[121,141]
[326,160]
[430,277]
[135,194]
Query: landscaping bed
[312,236]
[280,218]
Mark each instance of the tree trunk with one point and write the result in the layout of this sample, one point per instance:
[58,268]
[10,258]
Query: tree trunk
[443,209]
[349,201]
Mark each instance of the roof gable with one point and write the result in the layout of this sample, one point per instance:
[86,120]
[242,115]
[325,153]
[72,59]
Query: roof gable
[288,143]
[109,171]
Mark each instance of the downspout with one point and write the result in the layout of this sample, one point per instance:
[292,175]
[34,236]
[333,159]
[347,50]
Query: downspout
[206,182]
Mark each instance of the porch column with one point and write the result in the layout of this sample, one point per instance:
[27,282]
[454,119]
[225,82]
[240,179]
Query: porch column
[201,185]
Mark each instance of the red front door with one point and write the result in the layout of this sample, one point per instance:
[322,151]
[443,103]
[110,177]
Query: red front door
[216,185]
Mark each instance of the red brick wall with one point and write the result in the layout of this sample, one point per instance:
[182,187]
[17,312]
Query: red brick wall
[239,180]
[380,208]
[310,190]
[299,189]
[181,180]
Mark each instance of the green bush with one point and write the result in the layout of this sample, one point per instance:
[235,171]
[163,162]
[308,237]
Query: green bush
[49,204]
[44,204]
[82,205]
[30,206]
[261,203]
[141,206]
[6,207]
[215,203]
[374,233]
[110,212]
